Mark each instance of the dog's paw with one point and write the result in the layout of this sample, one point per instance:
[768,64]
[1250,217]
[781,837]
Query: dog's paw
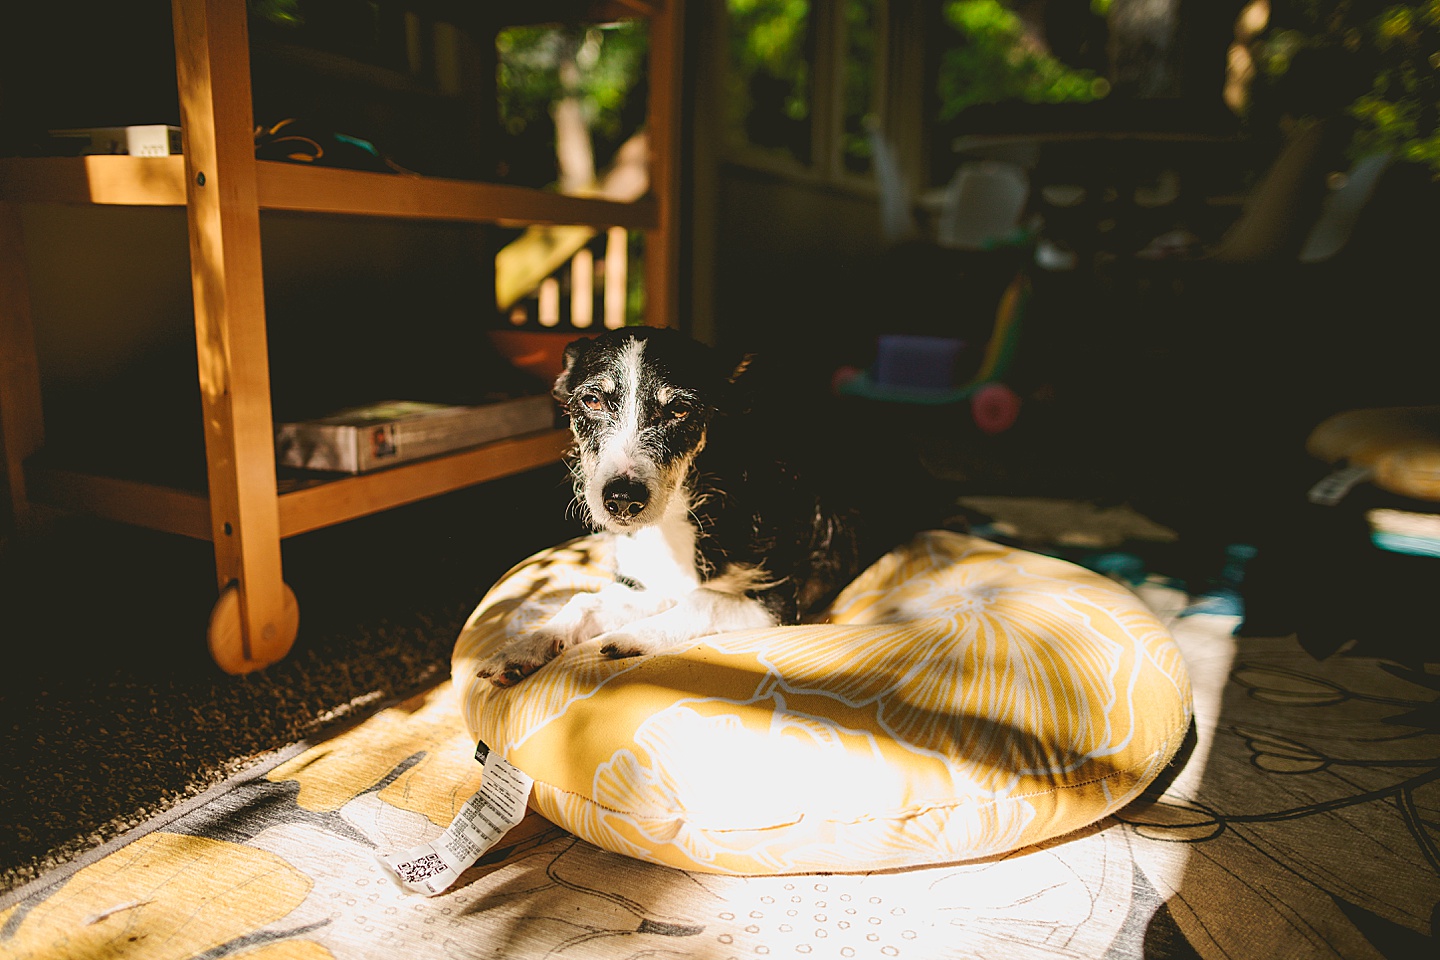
[621,645]
[521,657]
[639,639]
[586,616]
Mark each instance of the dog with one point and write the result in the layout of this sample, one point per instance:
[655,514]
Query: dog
[718,523]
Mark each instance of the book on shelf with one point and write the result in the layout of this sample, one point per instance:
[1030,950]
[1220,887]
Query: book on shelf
[137,140]
[365,438]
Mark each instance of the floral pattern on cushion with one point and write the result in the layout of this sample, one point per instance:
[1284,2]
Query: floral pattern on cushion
[958,700]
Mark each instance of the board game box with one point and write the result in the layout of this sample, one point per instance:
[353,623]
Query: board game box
[365,438]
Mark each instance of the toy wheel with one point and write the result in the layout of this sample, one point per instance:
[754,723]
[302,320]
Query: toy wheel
[995,408]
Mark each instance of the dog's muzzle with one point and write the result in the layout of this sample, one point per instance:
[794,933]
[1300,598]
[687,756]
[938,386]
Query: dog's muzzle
[625,499]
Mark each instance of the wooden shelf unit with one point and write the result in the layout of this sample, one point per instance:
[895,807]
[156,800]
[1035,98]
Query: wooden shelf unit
[223,189]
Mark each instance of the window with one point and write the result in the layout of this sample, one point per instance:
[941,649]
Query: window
[805,83]
[862,82]
[993,54]
[768,95]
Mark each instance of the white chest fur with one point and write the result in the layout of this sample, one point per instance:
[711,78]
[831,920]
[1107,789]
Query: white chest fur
[660,557]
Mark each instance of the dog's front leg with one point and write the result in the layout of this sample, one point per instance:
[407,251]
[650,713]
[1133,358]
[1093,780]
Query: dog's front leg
[584,616]
[701,613]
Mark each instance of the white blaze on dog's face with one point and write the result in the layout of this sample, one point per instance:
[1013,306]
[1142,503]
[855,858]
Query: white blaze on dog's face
[639,401]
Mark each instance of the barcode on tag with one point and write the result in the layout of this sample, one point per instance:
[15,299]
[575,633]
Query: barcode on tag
[427,865]
[498,805]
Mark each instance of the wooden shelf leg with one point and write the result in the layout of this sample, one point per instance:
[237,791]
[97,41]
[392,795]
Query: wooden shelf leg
[255,620]
[22,426]
[662,247]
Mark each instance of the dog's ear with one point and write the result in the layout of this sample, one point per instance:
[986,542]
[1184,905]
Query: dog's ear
[737,392]
[573,352]
[741,367]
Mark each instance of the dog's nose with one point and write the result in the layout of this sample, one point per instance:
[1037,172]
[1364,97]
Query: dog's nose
[625,498]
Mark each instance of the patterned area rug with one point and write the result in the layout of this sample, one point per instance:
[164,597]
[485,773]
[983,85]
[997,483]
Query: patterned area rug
[1304,821]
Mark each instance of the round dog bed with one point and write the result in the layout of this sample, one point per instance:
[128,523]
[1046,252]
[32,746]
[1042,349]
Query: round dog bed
[960,699]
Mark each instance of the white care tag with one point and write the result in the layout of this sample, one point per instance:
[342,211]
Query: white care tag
[1332,488]
[498,805]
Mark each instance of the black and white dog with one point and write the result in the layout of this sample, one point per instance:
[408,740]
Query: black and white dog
[716,524]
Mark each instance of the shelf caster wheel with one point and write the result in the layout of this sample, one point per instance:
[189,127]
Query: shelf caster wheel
[226,638]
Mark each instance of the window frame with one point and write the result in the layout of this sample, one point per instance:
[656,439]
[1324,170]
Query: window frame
[897,100]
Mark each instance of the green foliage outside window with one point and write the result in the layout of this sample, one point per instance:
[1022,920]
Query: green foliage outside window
[597,64]
[768,103]
[994,62]
[283,13]
[1391,53]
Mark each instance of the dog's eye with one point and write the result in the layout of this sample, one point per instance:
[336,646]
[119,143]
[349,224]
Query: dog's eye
[677,413]
[591,400]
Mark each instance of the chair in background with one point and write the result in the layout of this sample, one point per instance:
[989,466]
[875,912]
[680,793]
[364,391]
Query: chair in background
[983,206]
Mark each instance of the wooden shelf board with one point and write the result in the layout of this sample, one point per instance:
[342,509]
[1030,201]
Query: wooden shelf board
[159,181]
[322,504]
[289,186]
[150,505]
[128,181]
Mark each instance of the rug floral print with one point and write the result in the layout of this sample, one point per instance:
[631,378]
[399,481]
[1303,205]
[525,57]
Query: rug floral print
[1303,820]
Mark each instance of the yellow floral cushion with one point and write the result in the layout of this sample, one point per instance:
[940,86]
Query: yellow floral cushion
[961,699]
